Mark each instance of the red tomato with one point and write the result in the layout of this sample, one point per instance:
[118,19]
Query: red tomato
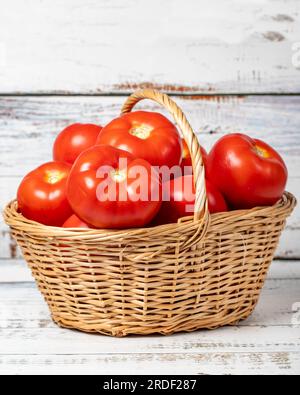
[247,171]
[42,194]
[146,135]
[186,162]
[74,222]
[180,193]
[107,193]
[73,140]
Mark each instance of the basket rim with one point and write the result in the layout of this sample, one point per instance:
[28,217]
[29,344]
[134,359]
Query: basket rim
[15,219]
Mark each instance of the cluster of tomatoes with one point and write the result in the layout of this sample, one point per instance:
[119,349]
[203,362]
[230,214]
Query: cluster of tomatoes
[137,171]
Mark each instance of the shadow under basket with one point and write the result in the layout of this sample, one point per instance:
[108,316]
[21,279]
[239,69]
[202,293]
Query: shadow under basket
[206,271]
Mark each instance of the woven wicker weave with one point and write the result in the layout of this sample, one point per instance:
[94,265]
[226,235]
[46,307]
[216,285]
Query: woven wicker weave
[204,272]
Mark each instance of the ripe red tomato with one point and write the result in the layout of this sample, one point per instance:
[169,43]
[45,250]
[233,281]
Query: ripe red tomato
[186,162]
[73,140]
[105,192]
[74,222]
[42,194]
[146,135]
[181,193]
[247,171]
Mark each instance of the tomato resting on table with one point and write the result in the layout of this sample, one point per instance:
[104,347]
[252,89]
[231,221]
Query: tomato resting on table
[179,199]
[186,163]
[42,194]
[73,140]
[146,135]
[74,222]
[248,172]
[109,188]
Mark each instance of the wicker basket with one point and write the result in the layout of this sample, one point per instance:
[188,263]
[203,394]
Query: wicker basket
[203,272]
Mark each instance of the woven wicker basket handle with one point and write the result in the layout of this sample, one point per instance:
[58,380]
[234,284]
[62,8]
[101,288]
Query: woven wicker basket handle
[189,136]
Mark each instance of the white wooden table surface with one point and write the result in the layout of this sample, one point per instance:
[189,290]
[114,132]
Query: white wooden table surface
[233,66]
[266,343]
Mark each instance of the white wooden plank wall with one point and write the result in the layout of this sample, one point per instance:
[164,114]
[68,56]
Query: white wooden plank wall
[233,65]
[112,45]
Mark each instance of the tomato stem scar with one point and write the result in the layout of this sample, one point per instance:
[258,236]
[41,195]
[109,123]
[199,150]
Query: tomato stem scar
[52,177]
[142,131]
[261,151]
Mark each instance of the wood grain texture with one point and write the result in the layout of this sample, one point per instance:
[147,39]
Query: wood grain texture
[18,340]
[265,343]
[116,46]
[29,125]
[273,363]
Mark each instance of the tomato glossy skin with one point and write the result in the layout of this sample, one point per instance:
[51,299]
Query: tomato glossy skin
[75,222]
[146,135]
[247,171]
[87,189]
[186,163]
[182,199]
[42,194]
[73,140]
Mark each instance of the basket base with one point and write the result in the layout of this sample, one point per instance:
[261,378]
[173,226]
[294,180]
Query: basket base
[225,319]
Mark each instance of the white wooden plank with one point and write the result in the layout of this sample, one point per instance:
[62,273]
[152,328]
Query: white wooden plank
[16,270]
[28,127]
[281,269]
[274,363]
[215,46]
[57,341]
